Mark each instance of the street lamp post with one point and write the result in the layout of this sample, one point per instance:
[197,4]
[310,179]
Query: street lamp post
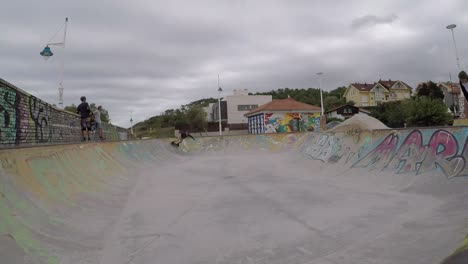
[451,27]
[219,108]
[319,74]
[46,53]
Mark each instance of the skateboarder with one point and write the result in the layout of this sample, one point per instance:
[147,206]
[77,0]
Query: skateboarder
[183,135]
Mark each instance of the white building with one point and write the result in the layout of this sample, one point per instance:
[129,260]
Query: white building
[345,112]
[209,112]
[240,103]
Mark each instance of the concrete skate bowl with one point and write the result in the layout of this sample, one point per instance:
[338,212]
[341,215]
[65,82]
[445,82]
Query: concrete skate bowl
[348,196]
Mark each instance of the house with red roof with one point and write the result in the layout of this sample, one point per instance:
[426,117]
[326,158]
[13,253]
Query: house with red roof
[372,94]
[283,115]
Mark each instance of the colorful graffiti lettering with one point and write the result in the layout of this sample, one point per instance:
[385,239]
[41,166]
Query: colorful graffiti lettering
[327,148]
[8,106]
[413,156]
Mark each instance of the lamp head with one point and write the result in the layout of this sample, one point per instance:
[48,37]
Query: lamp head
[451,26]
[46,53]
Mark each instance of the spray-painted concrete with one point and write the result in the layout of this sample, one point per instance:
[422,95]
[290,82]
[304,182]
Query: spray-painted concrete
[349,196]
[26,120]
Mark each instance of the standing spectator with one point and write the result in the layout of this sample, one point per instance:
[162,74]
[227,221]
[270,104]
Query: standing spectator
[85,113]
[98,122]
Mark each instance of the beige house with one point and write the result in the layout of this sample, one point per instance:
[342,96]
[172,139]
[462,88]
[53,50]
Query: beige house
[451,95]
[372,94]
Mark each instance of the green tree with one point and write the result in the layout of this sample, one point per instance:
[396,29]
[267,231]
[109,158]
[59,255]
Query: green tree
[331,102]
[338,92]
[431,90]
[423,90]
[428,112]
[196,117]
[70,108]
[435,92]
[392,114]
[104,113]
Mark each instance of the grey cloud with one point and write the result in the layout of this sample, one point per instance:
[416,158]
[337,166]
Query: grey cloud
[371,20]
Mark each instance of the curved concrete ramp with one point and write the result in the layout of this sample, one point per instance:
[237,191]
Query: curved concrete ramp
[352,196]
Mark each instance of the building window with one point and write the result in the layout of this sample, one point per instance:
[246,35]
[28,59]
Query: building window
[378,94]
[246,107]
[364,99]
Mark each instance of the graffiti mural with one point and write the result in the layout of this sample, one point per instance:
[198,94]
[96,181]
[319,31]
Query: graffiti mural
[40,115]
[418,151]
[401,152]
[26,120]
[8,120]
[291,122]
[328,148]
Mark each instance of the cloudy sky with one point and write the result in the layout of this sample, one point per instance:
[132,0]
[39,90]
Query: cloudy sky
[145,56]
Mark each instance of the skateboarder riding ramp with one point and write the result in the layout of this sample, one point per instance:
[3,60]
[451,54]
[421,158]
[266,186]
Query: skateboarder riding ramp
[360,193]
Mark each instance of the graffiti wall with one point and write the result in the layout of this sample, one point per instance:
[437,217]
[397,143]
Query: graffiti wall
[399,151]
[291,122]
[27,120]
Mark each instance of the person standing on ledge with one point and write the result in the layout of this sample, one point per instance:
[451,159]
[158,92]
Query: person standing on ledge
[85,113]
[97,120]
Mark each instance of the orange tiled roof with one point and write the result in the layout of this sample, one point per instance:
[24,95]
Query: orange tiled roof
[288,104]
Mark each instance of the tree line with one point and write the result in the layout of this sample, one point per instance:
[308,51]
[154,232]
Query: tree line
[425,108]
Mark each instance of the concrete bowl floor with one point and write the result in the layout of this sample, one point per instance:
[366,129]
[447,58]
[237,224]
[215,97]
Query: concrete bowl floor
[259,207]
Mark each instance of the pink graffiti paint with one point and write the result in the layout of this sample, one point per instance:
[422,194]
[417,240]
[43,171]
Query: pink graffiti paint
[410,154]
[441,153]
[380,155]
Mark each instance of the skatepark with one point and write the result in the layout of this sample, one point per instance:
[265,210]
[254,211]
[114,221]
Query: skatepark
[358,193]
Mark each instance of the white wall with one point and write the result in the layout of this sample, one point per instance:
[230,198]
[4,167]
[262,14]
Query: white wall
[334,114]
[209,112]
[237,117]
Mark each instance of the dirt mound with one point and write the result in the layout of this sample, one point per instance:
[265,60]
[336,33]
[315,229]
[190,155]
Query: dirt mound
[361,122]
